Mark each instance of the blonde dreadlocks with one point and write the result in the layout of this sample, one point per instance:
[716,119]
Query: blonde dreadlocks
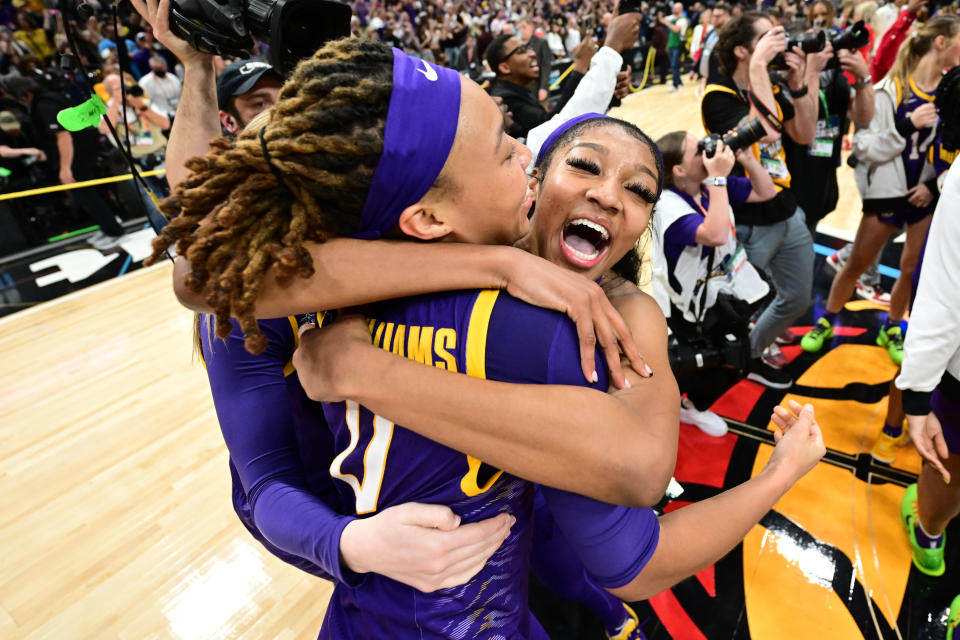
[234,219]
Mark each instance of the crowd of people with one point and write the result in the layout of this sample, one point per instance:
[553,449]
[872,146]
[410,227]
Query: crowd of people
[293,218]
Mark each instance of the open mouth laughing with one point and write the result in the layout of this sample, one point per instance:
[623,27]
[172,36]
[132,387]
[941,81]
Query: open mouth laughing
[584,242]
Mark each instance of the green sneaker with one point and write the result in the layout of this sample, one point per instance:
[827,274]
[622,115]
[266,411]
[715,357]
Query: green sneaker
[892,339]
[813,341]
[953,620]
[928,561]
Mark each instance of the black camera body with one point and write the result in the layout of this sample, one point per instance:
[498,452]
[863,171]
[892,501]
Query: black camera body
[727,351]
[809,42]
[741,138]
[854,38]
[295,29]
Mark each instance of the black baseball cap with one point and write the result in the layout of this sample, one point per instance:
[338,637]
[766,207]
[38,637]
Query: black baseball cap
[239,77]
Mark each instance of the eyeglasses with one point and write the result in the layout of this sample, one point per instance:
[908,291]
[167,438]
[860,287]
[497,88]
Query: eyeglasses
[521,49]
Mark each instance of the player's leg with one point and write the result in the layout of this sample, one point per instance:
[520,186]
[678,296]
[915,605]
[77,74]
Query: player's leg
[936,503]
[872,233]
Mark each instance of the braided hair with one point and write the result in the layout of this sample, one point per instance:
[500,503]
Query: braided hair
[234,219]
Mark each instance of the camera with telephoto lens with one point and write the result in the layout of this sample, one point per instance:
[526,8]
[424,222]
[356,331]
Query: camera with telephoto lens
[740,138]
[809,42]
[294,29]
[854,38]
[727,351]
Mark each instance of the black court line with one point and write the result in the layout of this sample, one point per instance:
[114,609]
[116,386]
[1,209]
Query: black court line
[862,465]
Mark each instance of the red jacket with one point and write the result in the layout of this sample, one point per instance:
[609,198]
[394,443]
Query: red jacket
[890,44]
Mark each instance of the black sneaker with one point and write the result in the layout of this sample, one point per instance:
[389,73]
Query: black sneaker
[766,375]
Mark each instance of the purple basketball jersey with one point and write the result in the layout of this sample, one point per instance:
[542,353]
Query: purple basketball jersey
[380,464]
[915,152]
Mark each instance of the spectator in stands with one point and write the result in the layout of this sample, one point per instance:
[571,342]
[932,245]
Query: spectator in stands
[143,122]
[541,51]
[37,38]
[515,65]
[774,233]
[469,59]
[163,88]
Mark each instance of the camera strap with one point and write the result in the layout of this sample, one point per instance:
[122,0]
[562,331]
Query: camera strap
[703,291]
[765,113]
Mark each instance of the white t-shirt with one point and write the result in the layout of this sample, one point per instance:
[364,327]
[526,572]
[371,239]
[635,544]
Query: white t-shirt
[164,93]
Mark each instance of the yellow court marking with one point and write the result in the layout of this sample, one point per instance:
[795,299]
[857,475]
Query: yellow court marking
[848,363]
[786,580]
[865,305]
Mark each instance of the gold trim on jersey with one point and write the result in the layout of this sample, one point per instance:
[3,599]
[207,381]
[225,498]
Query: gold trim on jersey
[289,368]
[476,356]
[918,92]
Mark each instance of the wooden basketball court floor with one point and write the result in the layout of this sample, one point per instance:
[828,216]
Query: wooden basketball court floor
[116,519]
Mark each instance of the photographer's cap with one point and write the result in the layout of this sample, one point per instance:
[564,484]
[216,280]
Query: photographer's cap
[239,77]
[9,122]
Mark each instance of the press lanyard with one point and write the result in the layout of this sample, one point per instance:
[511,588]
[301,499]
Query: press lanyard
[823,101]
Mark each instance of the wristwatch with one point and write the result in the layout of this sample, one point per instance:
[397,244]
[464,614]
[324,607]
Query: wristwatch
[799,93]
[718,181]
[863,82]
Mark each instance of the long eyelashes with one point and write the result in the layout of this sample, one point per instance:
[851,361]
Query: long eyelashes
[584,165]
[593,168]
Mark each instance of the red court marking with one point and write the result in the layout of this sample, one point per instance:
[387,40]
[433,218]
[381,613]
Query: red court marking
[703,459]
[708,580]
[739,400]
[674,618]
[851,332]
[791,352]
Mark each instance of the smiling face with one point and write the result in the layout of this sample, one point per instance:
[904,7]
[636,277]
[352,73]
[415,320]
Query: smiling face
[520,62]
[595,200]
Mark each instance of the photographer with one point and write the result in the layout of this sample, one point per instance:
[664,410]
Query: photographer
[712,287]
[814,166]
[774,233]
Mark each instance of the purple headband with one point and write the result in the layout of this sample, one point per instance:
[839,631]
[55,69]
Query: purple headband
[562,129]
[421,124]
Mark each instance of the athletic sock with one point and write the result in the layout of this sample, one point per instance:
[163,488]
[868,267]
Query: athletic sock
[890,324]
[829,317]
[927,541]
[893,431]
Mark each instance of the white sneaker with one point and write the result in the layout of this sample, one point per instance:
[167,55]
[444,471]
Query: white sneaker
[672,89]
[707,421]
[835,262]
[873,294]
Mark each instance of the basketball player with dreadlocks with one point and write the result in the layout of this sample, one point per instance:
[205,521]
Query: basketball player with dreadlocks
[290,462]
